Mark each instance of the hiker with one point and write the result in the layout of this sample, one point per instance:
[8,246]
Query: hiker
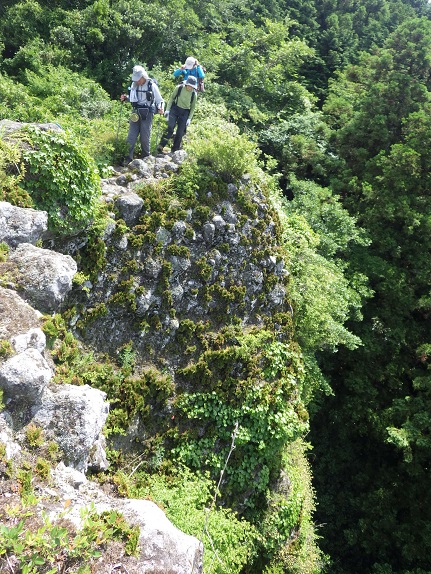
[145,98]
[191,67]
[179,112]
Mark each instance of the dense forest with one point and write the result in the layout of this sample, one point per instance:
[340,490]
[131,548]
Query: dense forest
[336,97]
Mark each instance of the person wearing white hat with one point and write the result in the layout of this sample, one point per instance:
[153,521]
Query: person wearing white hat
[179,112]
[191,67]
[145,97]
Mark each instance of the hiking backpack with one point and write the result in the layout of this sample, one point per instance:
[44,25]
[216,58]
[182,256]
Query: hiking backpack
[201,81]
[149,91]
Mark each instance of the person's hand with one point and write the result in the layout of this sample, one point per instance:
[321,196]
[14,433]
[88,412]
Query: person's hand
[166,114]
[188,123]
[160,110]
[123,97]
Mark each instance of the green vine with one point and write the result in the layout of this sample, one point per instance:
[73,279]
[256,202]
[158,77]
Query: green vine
[62,179]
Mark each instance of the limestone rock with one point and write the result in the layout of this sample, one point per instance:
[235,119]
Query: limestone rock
[163,547]
[129,207]
[23,379]
[16,316]
[33,339]
[74,416]
[7,439]
[19,225]
[44,276]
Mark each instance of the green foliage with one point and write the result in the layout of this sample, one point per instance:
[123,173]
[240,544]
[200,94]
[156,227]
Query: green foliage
[375,156]
[25,479]
[131,390]
[267,53]
[34,436]
[288,535]
[127,356]
[68,93]
[67,185]
[42,468]
[53,326]
[4,252]
[263,398]
[315,229]
[37,549]
[380,411]
[301,144]
[92,258]
[229,541]
[6,349]
[12,173]
[221,147]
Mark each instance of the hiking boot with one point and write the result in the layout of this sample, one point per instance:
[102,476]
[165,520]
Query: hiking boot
[126,161]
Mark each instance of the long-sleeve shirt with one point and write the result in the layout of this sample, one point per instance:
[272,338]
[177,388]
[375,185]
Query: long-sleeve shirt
[186,99]
[138,94]
[197,71]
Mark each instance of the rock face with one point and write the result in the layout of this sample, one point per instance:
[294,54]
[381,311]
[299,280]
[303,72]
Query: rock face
[122,184]
[9,126]
[72,416]
[218,268]
[16,316]
[172,282]
[19,225]
[163,547]
[23,378]
[44,276]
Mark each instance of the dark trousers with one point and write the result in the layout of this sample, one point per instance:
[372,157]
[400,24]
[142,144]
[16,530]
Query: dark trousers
[177,117]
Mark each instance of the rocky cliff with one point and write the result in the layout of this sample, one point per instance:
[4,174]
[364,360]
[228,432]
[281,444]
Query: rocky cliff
[166,324]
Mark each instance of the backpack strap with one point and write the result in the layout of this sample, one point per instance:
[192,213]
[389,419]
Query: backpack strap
[180,87]
[149,90]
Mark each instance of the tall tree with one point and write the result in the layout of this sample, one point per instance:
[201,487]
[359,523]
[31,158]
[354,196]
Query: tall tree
[379,417]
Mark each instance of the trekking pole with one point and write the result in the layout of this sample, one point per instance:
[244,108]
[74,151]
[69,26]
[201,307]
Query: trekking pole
[156,142]
[118,128]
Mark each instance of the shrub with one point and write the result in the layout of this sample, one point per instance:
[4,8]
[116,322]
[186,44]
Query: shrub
[11,175]
[289,538]
[263,398]
[219,145]
[6,349]
[62,179]
[34,436]
[40,544]
[4,252]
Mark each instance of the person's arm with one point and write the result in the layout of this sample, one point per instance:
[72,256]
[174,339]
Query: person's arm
[178,72]
[126,97]
[192,106]
[172,98]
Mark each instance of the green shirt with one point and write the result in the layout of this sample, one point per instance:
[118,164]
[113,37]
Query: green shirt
[185,100]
